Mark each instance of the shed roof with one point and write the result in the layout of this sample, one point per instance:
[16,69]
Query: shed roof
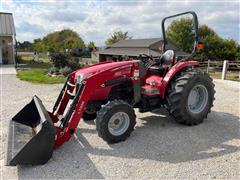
[6,24]
[129,51]
[136,42]
[134,47]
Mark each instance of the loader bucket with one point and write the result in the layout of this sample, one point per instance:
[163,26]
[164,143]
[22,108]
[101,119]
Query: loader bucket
[31,136]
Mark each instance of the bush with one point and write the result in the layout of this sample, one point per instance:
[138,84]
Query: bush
[73,63]
[53,70]
[61,60]
[65,71]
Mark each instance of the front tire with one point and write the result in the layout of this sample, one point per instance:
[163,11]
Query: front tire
[190,97]
[115,121]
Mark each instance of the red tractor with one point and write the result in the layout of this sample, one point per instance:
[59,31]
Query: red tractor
[109,92]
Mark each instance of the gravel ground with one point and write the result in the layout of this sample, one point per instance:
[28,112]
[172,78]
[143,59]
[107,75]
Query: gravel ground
[158,148]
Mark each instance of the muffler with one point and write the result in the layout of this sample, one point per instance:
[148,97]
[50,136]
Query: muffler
[31,136]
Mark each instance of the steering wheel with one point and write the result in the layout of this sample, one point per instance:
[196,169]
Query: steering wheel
[146,59]
[150,57]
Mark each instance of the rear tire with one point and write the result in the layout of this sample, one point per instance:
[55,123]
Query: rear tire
[190,97]
[115,121]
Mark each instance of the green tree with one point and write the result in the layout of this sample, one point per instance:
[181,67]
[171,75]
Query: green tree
[38,45]
[216,48]
[91,44]
[59,41]
[238,53]
[24,46]
[180,33]
[205,31]
[117,36]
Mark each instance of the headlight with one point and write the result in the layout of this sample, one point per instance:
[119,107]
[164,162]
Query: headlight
[82,77]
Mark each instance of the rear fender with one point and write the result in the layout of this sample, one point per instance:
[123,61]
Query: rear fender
[177,68]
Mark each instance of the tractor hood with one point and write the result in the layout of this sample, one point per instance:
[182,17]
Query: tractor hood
[96,68]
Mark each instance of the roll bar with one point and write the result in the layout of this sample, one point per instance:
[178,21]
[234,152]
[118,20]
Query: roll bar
[195,28]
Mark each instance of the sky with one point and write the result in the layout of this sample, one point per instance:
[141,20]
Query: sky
[96,20]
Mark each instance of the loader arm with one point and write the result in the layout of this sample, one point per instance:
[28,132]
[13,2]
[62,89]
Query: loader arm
[63,98]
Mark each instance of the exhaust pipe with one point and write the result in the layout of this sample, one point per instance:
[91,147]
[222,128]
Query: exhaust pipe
[31,136]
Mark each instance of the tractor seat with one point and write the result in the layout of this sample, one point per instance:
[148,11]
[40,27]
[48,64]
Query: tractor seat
[165,61]
[167,58]
[156,69]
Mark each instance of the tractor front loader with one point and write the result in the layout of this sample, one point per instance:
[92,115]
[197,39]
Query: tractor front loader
[108,92]
[35,132]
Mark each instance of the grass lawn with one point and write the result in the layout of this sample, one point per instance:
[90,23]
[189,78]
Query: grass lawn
[38,76]
[234,76]
[35,72]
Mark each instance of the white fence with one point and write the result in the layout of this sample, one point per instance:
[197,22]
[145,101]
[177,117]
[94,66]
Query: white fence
[222,66]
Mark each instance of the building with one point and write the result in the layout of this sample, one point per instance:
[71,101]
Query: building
[7,38]
[132,48]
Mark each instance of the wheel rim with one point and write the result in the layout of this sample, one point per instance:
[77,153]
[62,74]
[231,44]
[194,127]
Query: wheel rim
[197,99]
[118,123]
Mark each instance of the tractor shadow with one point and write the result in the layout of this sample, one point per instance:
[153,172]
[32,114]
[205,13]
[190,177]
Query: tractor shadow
[157,137]
[69,161]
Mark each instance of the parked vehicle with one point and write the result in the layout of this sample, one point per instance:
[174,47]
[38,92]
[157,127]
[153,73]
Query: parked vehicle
[109,92]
